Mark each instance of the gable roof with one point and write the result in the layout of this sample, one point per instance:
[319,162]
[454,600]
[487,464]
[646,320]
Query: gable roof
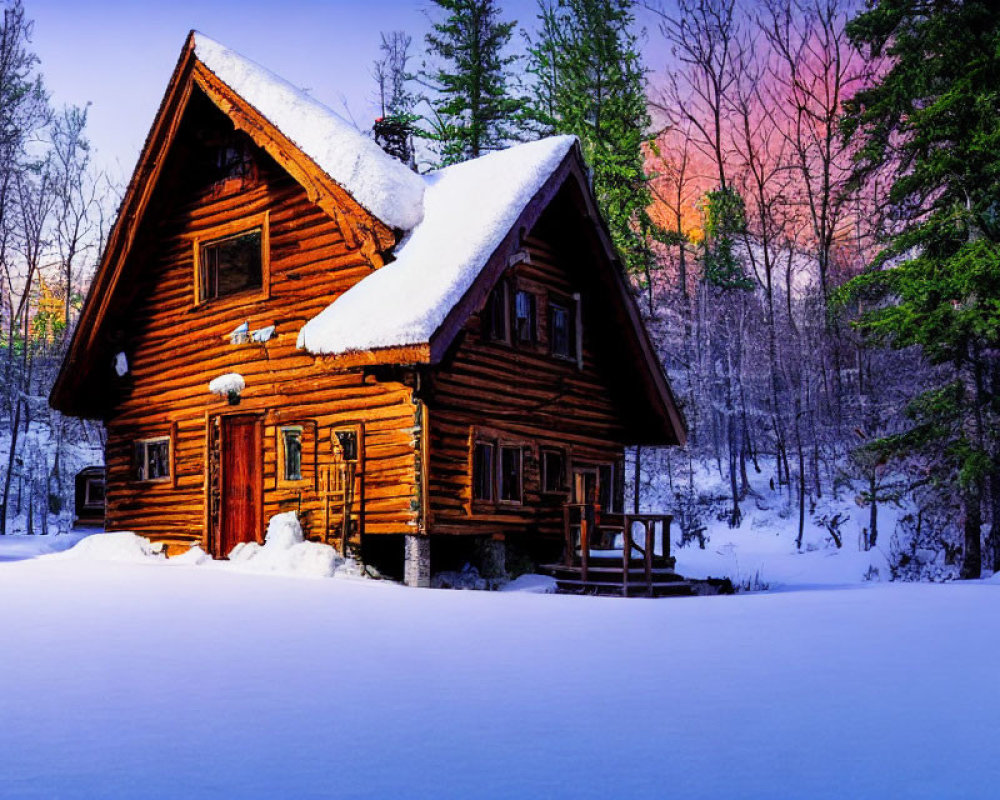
[468,210]
[381,184]
[460,224]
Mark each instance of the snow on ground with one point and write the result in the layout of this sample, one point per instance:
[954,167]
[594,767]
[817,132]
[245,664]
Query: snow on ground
[141,679]
[761,553]
[17,547]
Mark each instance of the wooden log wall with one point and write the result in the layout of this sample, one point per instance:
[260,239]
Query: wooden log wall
[175,348]
[520,394]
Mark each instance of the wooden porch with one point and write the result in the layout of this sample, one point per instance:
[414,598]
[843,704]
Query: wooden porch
[594,564]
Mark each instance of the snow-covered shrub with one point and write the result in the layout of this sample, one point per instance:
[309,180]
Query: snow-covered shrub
[118,546]
[286,551]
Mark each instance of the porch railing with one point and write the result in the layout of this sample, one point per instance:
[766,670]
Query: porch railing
[584,523]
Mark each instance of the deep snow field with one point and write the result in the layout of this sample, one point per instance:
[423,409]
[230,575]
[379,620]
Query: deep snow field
[146,678]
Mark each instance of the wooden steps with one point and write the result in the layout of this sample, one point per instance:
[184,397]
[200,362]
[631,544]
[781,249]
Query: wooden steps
[605,577]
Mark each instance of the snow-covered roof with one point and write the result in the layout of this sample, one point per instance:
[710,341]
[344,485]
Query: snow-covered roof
[378,182]
[468,210]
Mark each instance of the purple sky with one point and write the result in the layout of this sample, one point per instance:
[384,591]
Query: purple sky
[118,55]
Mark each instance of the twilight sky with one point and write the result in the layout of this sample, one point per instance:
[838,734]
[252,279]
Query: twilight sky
[118,54]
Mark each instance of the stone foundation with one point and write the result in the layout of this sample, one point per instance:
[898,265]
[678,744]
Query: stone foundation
[417,561]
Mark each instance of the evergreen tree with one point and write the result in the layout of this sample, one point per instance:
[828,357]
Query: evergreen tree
[589,81]
[472,108]
[932,120]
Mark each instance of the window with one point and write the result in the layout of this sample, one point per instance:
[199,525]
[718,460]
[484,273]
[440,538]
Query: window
[524,317]
[496,317]
[152,459]
[230,265]
[483,471]
[291,450]
[347,444]
[554,471]
[561,333]
[93,492]
[611,488]
[510,474]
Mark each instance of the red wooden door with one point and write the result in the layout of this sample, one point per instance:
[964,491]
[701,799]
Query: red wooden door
[241,482]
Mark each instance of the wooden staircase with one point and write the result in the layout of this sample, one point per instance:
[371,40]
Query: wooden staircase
[605,577]
[643,573]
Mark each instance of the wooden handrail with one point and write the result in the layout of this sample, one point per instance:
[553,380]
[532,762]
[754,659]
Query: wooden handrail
[589,519]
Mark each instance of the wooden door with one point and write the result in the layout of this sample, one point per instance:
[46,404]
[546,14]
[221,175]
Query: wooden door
[240,501]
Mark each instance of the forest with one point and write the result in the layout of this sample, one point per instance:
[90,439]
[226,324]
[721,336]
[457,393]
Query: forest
[805,199]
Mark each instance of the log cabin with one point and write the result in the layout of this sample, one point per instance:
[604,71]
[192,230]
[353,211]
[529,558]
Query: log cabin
[285,317]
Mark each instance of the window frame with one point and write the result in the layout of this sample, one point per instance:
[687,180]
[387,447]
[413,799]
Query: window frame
[282,446]
[498,442]
[519,449]
[140,464]
[231,230]
[515,328]
[88,498]
[560,304]
[491,481]
[502,291]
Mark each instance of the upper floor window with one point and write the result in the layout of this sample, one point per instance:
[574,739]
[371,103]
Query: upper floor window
[496,315]
[561,330]
[231,265]
[525,321]
[233,259]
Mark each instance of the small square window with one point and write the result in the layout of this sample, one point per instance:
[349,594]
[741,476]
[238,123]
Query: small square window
[525,327]
[291,443]
[152,459]
[511,459]
[230,265]
[483,471]
[346,445]
[554,471]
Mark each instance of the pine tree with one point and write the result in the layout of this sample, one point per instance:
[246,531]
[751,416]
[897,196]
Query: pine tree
[932,121]
[589,81]
[472,108]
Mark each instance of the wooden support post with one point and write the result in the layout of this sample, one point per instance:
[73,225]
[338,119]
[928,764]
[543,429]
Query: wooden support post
[584,545]
[649,526]
[626,553]
[568,535]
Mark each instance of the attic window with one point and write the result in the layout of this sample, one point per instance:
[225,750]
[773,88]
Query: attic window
[525,325]
[231,265]
[561,330]
[233,259]
[496,317]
